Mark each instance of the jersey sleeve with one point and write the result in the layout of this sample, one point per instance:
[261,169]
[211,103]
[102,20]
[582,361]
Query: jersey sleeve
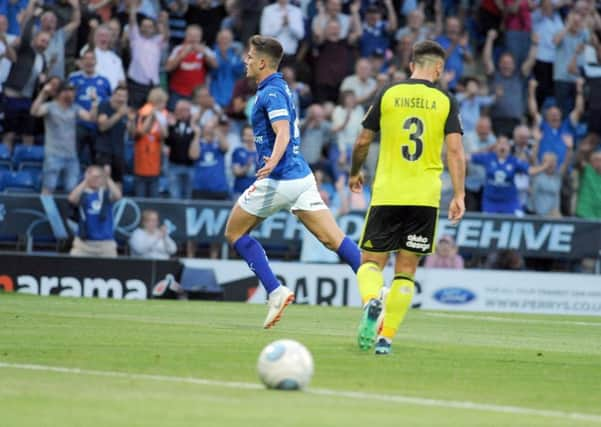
[371,120]
[479,158]
[453,124]
[275,105]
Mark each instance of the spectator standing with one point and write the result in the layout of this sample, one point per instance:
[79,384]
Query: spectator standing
[115,121]
[547,24]
[508,83]
[244,161]
[518,26]
[204,108]
[12,11]
[177,20]
[8,55]
[89,87]
[210,181]
[377,32]
[60,142]
[152,241]
[25,74]
[362,84]
[480,140]
[331,10]
[151,130]
[445,255]
[284,21]
[300,92]
[316,135]
[182,133]
[242,99]
[553,129]
[208,14]
[346,125]
[521,148]
[546,186]
[94,198]
[146,47]
[230,68]
[589,195]
[55,53]
[500,192]
[456,44]
[108,63]
[571,40]
[415,28]
[333,57]
[471,102]
[188,65]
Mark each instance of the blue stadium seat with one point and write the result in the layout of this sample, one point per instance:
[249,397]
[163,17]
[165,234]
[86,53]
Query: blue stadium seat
[24,154]
[18,182]
[5,161]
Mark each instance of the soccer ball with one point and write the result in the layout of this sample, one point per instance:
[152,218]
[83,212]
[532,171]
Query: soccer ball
[285,365]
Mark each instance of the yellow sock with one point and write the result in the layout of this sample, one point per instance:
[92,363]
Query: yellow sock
[397,304]
[370,279]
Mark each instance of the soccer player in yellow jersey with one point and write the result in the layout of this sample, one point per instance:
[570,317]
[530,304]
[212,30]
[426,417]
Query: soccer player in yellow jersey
[415,119]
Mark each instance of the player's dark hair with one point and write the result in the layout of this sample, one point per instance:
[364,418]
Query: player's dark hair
[426,51]
[269,47]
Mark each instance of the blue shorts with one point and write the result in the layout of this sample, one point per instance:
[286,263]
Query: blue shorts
[52,169]
[17,117]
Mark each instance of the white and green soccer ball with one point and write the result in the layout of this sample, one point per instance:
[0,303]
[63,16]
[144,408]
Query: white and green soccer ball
[285,365]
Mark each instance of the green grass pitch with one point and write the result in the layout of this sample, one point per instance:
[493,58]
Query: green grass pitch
[549,365]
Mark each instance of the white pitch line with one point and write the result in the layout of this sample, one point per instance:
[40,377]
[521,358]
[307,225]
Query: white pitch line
[418,401]
[510,320]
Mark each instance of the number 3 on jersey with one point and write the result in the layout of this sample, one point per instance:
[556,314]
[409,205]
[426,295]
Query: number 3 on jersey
[416,127]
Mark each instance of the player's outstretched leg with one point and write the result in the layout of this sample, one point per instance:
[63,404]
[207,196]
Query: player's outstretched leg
[279,296]
[322,225]
[397,303]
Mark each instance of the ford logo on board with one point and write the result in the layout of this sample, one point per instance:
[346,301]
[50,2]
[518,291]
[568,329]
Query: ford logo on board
[454,296]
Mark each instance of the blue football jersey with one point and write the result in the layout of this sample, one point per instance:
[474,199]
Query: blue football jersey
[500,186]
[85,86]
[273,103]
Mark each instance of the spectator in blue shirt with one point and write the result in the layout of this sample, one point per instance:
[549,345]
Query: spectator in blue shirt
[229,68]
[455,42]
[88,85]
[554,130]
[210,181]
[376,31]
[500,192]
[11,9]
[94,198]
[244,161]
[471,102]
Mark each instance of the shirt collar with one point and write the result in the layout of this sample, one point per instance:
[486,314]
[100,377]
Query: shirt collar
[269,79]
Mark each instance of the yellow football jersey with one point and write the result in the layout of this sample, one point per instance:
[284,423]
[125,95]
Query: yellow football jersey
[413,118]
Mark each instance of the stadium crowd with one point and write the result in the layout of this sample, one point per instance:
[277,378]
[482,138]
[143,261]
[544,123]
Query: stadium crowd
[155,92]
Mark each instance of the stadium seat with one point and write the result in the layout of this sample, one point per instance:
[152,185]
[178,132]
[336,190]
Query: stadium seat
[18,182]
[5,162]
[25,155]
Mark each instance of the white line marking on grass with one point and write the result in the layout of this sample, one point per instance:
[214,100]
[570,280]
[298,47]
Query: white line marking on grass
[510,320]
[418,401]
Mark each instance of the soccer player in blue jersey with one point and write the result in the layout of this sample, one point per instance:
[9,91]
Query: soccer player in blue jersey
[284,180]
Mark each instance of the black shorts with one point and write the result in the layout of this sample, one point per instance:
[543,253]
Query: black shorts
[392,228]
[17,117]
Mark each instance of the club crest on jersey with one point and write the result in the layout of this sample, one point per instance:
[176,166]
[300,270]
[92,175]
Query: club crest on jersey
[258,139]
